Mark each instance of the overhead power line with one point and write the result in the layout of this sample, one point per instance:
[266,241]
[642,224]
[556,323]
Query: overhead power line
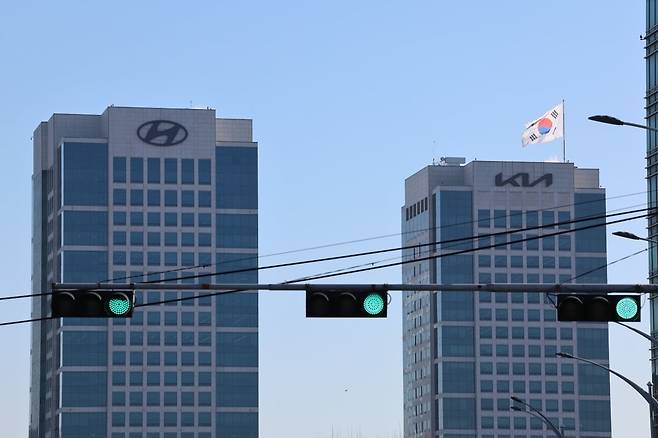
[420,245]
[366,239]
[352,271]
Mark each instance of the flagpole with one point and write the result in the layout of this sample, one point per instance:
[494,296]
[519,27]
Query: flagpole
[564,136]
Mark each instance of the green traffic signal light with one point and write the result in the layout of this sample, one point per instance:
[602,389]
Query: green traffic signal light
[373,304]
[627,308]
[119,305]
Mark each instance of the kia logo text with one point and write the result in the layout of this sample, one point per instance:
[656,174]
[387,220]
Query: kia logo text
[523,180]
[162,133]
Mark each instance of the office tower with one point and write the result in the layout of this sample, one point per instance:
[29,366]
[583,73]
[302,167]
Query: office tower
[466,354]
[651,102]
[146,194]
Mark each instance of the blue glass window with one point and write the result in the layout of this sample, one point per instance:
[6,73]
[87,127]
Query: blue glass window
[153,238]
[565,262]
[171,239]
[187,171]
[136,197]
[171,259]
[119,238]
[85,171]
[459,413]
[237,424]
[187,219]
[187,239]
[237,230]
[136,358]
[533,243]
[85,348]
[484,218]
[237,310]
[153,218]
[84,389]
[548,262]
[205,240]
[204,198]
[153,167]
[171,219]
[564,243]
[531,218]
[153,357]
[119,196]
[548,243]
[84,266]
[136,170]
[85,228]
[136,258]
[204,172]
[205,220]
[171,338]
[171,198]
[236,170]
[136,218]
[170,418]
[187,198]
[516,219]
[153,198]
[458,377]
[119,218]
[171,171]
[118,358]
[205,358]
[153,258]
[457,341]
[136,238]
[119,169]
[238,349]
[590,205]
[83,424]
[500,219]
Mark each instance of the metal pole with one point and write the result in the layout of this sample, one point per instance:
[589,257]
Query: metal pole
[653,403]
[564,135]
[537,414]
[351,287]
[652,413]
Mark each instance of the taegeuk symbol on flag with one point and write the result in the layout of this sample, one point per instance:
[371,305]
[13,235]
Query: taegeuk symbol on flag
[547,128]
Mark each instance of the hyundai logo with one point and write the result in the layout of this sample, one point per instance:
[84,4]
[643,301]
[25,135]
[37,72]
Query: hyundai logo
[162,133]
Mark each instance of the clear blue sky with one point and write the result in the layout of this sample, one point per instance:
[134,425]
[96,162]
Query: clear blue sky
[348,98]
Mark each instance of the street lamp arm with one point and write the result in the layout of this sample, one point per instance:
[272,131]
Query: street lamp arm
[653,340]
[537,414]
[648,397]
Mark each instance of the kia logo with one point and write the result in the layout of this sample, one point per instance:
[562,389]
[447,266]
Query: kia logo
[525,180]
[162,133]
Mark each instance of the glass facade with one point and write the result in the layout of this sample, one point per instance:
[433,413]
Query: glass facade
[651,57]
[466,353]
[186,369]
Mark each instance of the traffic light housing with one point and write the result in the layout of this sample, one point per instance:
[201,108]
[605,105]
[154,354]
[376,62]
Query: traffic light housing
[93,303]
[327,303]
[598,308]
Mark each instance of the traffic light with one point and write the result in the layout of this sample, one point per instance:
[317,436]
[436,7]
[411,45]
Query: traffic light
[93,303]
[327,303]
[598,308]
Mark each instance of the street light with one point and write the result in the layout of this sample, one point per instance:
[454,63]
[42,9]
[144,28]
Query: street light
[609,120]
[631,236]
[531,410]
[653,403]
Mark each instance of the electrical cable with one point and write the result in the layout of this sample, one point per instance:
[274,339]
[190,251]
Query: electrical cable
[391,264]
[366,253]
[441,227]
[432,257]
[402,248]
